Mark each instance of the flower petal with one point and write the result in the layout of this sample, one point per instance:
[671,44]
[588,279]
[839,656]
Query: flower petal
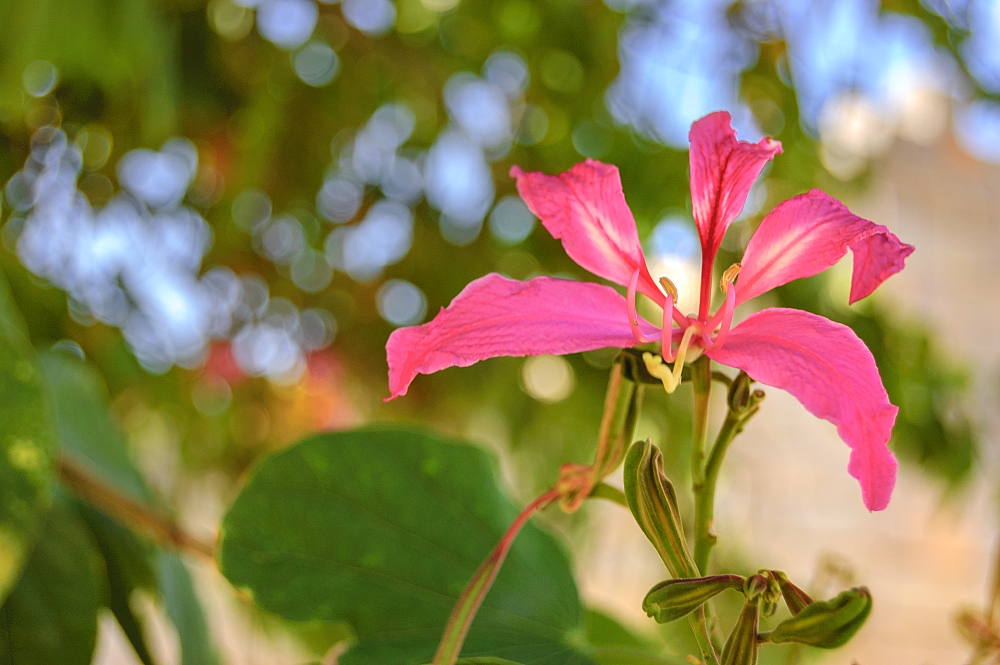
[496,316]
[832,373]
[809,233]
[722,172]
[585,209]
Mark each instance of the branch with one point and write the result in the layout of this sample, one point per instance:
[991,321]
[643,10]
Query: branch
[130,513]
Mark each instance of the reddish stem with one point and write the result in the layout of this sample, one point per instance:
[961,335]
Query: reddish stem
[472,597]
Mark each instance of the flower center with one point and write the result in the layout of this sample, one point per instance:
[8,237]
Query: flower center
[695,332]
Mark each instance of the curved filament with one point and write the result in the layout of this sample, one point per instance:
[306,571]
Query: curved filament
[633,318]
[668,329]
[726,320]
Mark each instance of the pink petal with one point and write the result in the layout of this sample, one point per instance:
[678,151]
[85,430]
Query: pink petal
[585,209]
[832,373]
[722,172]
[809,233]
[496,316]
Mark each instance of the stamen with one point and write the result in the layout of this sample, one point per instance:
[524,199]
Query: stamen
[671,378]
[729,276]
[633,318]
[727,317]
[668,328]
[669,287]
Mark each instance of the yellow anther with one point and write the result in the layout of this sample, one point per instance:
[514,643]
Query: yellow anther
[669,287]
[671,377]
[729,276]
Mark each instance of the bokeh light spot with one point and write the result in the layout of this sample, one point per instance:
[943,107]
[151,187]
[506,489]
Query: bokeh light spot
[251,210]
[316,63]
[548,379]
[287,23]
[401,303]
[229,19]
[40,78]
[511,221]
[372,17]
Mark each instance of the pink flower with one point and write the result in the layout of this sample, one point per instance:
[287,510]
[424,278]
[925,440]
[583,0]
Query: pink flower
[822,363]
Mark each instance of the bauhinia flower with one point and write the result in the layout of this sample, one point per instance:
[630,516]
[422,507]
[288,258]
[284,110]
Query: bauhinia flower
[822,363]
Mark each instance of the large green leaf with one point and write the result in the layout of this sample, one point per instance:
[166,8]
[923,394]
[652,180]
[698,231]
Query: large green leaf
[27,444]
[50,618]
[382,528]
[615,645]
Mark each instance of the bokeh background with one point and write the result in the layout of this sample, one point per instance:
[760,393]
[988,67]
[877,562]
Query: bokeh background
[226,207]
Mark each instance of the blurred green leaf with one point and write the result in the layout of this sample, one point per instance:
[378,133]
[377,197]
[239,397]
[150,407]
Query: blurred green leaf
[50,617]
[87,433]
[402,519]
[127,564]
[615,645]
[27,444]
[94,440]
[184,610]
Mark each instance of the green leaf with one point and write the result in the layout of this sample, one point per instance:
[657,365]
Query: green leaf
[94,441]
[615,645]
[127,563]
[27,445]
[87,433]
[382,528]
[50,618]
[185,611]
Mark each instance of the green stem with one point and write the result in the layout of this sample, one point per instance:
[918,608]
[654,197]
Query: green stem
[701,378]
[704,496]
[605,491]
[703,637]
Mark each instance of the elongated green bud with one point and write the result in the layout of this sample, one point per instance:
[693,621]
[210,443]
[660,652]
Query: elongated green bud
[621,412]
[653,503]
[795,598]
[825,624]
[674,599]
[742,645]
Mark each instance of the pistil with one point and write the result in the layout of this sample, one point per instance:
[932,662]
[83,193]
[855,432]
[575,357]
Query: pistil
[671,377]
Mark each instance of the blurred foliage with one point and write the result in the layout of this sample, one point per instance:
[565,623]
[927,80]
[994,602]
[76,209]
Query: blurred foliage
[143,71]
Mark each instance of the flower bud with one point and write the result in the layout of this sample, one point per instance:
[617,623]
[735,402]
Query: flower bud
[795,598]
[742,645]
[651,498]
[739,393]
[675,599]
[621,413]
[826,624]
[769,598]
